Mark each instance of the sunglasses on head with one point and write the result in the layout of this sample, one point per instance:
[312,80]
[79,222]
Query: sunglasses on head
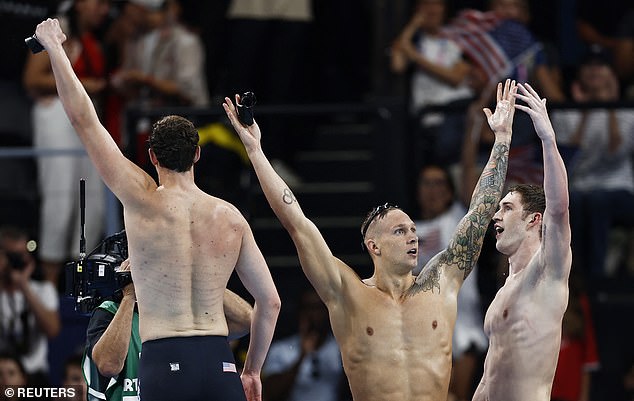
[372,215]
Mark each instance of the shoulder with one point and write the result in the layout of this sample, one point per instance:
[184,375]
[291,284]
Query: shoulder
[220,210]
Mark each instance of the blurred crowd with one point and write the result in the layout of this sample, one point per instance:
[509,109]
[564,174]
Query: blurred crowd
[442,59]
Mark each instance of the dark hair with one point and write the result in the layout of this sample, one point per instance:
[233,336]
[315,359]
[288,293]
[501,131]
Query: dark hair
[448,177]
[533,198]
[174,140]
[380,212]
[11,356]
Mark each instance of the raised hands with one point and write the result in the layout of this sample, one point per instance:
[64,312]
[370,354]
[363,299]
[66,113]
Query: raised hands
[249,135]
[49,33]
[536,109]
[501,121]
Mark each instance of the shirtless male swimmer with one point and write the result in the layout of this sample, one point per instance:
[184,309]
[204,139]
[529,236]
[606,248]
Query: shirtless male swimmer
[184,245]
[394,329]
[524,320]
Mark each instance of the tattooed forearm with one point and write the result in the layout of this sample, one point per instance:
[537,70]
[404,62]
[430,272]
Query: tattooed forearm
[488,191]
[464,248]
[288,197]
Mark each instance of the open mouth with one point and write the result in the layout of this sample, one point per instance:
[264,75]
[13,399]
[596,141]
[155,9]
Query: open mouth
[412,251]
[498,230]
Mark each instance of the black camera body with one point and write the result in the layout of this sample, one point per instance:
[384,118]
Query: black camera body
[94,279]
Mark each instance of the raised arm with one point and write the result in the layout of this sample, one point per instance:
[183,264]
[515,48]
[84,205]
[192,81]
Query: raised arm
[323,270]
[464,247]
[122,176]
[556,222]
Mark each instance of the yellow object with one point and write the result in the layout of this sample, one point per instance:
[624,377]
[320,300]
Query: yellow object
[219,135]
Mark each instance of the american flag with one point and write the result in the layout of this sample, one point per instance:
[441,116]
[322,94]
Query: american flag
[229,367]
[500,47]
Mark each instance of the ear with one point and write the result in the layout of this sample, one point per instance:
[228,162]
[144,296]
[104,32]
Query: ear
[536,219]
[197,155]
[153,158]
[372,247]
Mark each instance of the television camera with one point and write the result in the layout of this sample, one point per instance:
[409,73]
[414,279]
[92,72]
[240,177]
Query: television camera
[94,278]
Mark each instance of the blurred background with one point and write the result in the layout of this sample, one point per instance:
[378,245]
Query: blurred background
[355,99]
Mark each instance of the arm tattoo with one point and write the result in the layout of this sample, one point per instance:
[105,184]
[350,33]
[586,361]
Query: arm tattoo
[491,181]
[427,280]
[288,197]
[464,248]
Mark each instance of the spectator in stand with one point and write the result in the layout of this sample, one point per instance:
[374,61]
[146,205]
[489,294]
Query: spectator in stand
[166,65]
[578,356]
[129,21]
[28,309]
[438,77]
[59,175]
[74,378]
[307,365]
[600,144]
[12,374]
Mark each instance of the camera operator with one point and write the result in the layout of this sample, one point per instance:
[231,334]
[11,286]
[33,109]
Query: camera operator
[114,344]
[28,309]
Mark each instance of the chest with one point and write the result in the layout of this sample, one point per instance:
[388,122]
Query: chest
[423,320]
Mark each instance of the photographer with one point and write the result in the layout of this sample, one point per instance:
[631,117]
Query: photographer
[114,345]
[28,309]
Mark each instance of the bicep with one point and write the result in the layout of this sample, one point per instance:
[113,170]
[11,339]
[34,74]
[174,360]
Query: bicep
[556,238]
[124,178]
[322,268]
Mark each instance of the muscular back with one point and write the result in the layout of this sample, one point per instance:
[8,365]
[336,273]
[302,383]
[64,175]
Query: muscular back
[184,245]
[524,327]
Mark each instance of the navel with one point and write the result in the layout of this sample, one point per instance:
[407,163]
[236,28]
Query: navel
[369,330]
[434,324]
[505,314]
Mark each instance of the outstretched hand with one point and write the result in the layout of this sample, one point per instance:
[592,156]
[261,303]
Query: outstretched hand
[249,135]
[49,33]
[536,109]
[501,121]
